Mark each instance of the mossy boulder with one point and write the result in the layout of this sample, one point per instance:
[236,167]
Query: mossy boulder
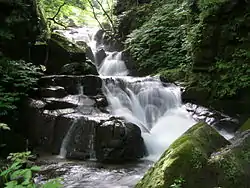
[245,126]
[62,52]
[81,68]
[185,158]
[230,166]
[21,24]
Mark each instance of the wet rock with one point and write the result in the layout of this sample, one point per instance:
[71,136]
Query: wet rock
[101,102]
[195,95]
[92,85]
[81,143]
[55,103]
[100,56]
[98,36]
[69,82]
[217,119]
[186,158]
[76,68]
[53,91]
[126,57]
[117,141]
[245,126]
[62,52]
[48,120]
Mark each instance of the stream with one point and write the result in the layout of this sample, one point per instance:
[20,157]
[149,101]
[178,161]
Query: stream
[153,106]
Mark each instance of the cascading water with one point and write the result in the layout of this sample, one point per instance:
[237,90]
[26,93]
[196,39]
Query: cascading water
[113,65]
[153,106]
[156,109]
[66,140]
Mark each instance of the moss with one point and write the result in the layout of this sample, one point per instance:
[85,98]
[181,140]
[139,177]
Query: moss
[245,126]
[185,158]
[66,44]
[230,167]
[62,51]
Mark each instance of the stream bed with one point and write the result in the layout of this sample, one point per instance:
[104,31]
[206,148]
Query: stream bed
[91,174]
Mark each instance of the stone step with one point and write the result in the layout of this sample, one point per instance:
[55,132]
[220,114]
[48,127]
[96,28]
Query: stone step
[110,138]
[90,85]
[52,91]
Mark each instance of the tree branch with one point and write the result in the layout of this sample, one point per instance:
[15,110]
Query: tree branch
[109,18]
[93,10]
[54,17]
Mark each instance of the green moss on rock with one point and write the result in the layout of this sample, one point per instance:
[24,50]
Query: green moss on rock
[230,166]
[62,52]
[245,126]
[185,158]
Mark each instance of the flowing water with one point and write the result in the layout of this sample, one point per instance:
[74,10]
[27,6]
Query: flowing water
[155,107]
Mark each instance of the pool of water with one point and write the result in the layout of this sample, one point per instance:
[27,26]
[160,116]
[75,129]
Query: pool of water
[90,174]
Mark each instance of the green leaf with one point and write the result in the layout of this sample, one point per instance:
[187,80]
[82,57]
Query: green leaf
[35,168]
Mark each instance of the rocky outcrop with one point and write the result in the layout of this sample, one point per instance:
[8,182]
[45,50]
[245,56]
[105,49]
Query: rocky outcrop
[75,68]
[62,52]
[202,158]
[70,118]
[185,159]
[22,23]
[117,141]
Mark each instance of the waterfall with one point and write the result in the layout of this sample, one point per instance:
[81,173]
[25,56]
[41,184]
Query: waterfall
[113,65]
[145,101]
[156,109]
[66,140]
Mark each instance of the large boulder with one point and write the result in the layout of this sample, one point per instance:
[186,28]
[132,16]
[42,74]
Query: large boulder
[90,85]
[100,56]
[79,68]
[62,52]
[117,141]
[22,23]
[185,160]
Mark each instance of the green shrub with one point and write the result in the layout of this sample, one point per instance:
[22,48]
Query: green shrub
[161,42]
[17,78]
[20,173]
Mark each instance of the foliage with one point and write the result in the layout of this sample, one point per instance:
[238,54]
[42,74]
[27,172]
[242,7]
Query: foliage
[4,126]
[177,183]
[20,174]
[205,43]
[17,78]
[160,42]
[77,12]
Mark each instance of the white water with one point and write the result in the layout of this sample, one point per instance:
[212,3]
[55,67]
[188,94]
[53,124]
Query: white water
[156,109]
[113,65]
[66,140]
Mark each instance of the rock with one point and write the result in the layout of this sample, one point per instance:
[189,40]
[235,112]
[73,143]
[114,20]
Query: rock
[55,103]
[53,91]
[195,95]
[62,52]
[90,54]
[186,158]
[101,102]
[81,143]
[100,56]
[117,141]
[48,120]
[98,37]
[229,167]
[76,68]
[129,63]
[92,85]
[245,126]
